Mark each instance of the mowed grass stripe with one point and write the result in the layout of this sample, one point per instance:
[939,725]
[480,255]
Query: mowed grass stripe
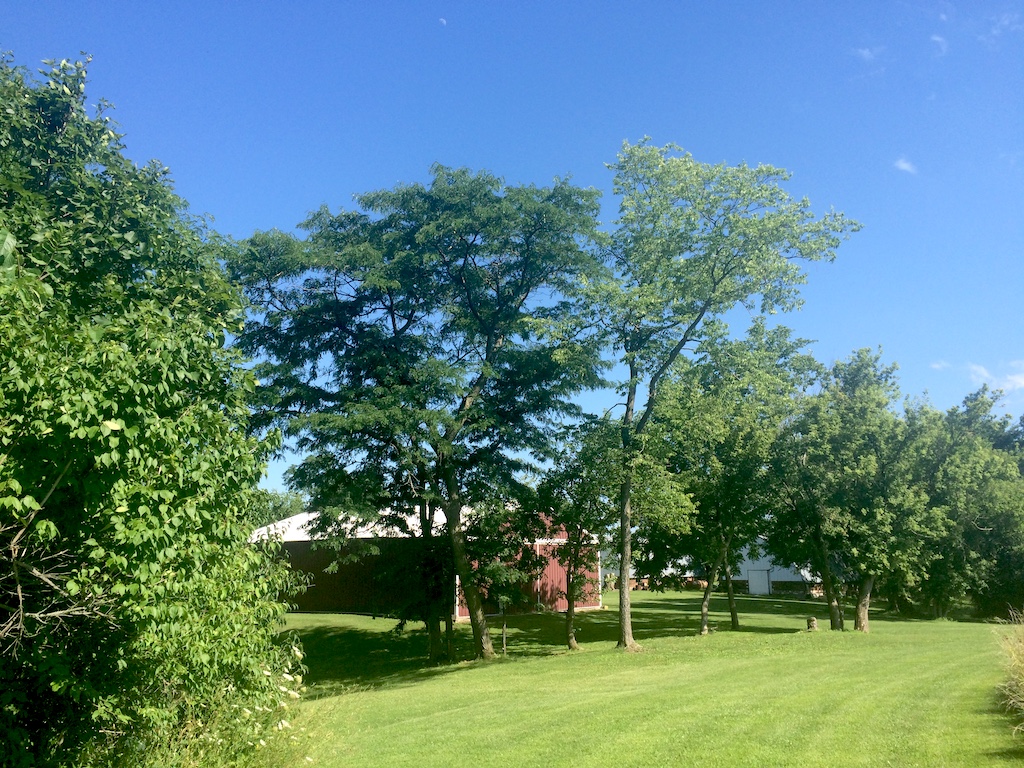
[911,693]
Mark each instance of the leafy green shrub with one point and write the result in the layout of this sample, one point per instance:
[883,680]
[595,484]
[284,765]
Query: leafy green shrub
[136,621]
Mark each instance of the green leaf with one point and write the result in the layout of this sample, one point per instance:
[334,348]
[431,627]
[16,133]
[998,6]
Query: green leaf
[8,247]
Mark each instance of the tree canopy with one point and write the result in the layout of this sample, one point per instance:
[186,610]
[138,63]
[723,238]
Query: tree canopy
[420,349]
[693,241]
[715,424]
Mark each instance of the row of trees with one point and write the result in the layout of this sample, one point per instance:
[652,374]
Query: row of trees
[424,352]
[822,468]
[828,470]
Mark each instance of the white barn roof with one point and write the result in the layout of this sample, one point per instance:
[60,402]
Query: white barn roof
[297,527]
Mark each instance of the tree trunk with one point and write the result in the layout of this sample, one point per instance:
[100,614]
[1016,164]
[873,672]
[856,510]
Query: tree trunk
[835,612]
[570,612]
[705,605]
[430,572]
[434,641]
[734,617]
[860,622]
[481,634]
[626,640]
[895,604]
[449,630]
[504,633]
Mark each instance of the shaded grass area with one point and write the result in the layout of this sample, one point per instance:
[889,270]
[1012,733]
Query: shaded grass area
[354,651]
[911,693]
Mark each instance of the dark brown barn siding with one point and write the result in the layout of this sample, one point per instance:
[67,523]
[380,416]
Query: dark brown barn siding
[387,582]
[373,583]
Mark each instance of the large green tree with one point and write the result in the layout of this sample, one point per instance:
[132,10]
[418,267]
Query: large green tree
[420,348]
[850,506]
[133,612]
[970,470]
[692,242]
[718,418]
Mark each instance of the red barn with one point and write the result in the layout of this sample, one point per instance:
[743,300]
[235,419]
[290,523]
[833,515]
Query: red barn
[380,583]
[547,591]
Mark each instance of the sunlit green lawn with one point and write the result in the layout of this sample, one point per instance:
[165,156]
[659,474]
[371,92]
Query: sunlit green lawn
[910,693]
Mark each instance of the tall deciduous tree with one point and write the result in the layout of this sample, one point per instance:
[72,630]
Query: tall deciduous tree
[692,242]
[418,349]
[850,506]
[133,610]
[720,415]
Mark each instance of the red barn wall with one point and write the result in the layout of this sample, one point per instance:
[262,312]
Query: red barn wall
[549,589]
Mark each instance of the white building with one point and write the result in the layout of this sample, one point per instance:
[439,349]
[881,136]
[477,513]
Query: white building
[765,577]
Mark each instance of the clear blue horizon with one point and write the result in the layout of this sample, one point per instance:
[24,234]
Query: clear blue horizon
[908,117]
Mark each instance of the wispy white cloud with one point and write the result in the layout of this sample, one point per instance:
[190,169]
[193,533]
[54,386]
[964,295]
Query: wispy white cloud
[905,165]
[940,41]
[1000,25]
[979,373]
[1014,380]
[868,54]
[1007,22]
[1009,380]
[939,365]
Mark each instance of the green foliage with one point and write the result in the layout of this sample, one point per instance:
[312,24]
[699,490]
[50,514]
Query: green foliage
[692,242]
[430,326]
[134,613]
[578,495]
[971,473]
[928,504]
[849,504]
[500,537]
[716,422]
[419,349]
[577,500]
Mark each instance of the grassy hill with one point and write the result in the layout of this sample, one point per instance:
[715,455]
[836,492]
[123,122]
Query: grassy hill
[912,693]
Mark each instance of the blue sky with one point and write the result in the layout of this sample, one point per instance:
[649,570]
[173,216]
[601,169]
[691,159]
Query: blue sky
[908,116]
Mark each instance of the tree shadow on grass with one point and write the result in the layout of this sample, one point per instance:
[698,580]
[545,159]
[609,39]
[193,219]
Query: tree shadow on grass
[343,656]
[654,616]
[1013,755]
[786,606]
[998,710]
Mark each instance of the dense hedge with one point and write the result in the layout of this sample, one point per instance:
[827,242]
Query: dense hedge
[136,622]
